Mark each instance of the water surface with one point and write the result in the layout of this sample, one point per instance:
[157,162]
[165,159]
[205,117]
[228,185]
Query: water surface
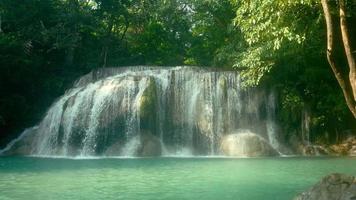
[164,178]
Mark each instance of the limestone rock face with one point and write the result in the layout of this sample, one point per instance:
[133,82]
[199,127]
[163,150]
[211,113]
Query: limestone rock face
[332,187]
[246,144]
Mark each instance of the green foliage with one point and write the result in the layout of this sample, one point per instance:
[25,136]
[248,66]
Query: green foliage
[271,29]
[46,45]
[211,31]
[283,44]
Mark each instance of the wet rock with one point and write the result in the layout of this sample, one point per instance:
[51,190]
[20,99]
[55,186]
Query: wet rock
[315,150]
[352,151]
[22,145]
[332,187]
[339,149]
[21,149]
[204,122]
[246,144]
[295,144]
[346,147]
[223,86]
[144,145]
[114,149]
[150,145]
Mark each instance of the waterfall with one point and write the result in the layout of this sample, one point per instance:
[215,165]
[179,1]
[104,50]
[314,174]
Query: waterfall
[271,121]
[305,125]
[144,111]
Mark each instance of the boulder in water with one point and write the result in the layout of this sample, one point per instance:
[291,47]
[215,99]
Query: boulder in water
[334,186]
[246,144]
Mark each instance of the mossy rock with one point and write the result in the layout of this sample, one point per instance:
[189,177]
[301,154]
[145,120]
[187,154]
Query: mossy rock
[223,82]
[147,105]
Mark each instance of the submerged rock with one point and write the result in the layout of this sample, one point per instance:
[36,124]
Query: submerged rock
[246,144]
[332,187]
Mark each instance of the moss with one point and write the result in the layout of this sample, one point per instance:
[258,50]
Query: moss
[147,106]
[223,85]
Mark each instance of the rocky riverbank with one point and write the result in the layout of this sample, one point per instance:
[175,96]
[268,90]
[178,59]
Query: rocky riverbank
[345,148]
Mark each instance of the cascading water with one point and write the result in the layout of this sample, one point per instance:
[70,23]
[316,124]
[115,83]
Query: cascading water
[150,111]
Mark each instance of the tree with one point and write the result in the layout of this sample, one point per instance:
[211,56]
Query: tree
[282,45]
[113,17]
[347,84]
[271,30]
[275,30]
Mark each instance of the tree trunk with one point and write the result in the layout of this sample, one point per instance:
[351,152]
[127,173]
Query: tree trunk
[105,56]
[0,25]
[107,43]
[347,47]
[345,84]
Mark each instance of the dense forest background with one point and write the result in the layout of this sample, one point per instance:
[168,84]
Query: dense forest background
[46,45]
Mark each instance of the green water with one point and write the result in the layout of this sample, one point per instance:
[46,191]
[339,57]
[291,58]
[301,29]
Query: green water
[163,178]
